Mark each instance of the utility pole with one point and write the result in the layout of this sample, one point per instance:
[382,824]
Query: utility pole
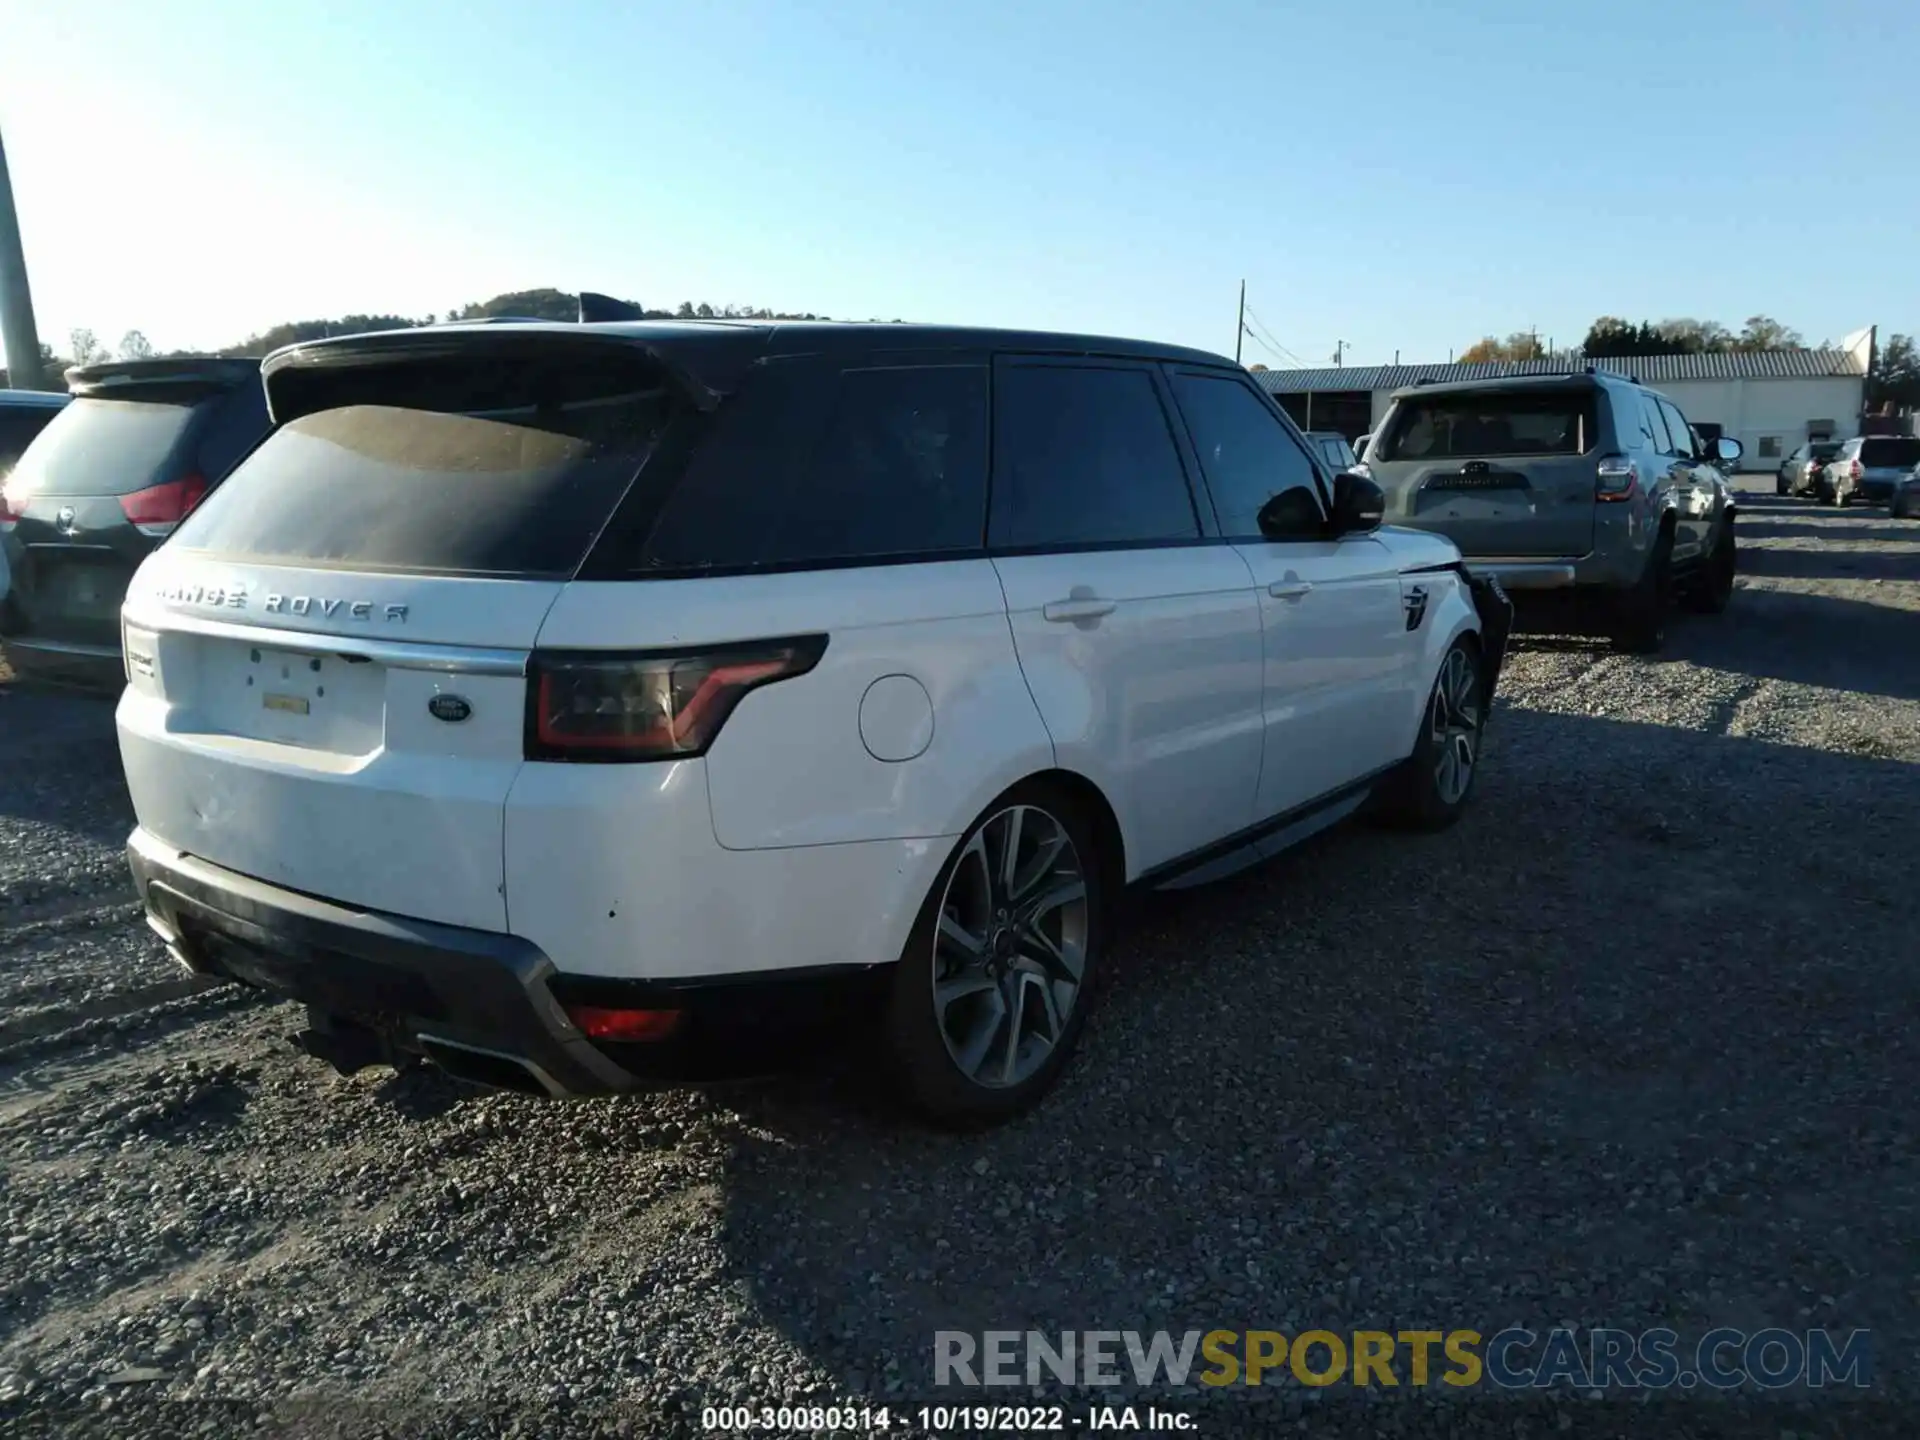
[1339,353]
[16,300]
[1240,325]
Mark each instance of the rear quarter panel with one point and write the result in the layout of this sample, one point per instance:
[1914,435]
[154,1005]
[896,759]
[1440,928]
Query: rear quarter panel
[916,716]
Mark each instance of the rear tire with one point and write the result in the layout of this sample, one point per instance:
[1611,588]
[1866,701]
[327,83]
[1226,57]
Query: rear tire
[1711,593]
[1780,485]
[1642,625]
[1429,790]
[992,992]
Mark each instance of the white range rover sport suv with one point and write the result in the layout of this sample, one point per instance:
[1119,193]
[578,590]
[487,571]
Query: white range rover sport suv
[578,706]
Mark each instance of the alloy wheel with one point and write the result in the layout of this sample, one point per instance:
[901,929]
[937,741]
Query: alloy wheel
[1454,722]
[1011,946]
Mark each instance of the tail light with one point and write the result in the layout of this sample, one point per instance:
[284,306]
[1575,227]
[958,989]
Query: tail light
[1619,479]
[8,515]
[158,508]
[657,705]
[1853,469]
[600,1022]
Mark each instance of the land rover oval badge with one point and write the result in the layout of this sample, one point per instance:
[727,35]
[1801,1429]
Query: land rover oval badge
[451,708]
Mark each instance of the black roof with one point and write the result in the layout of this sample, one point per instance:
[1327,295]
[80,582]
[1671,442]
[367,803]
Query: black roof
[711,354]
[111,377]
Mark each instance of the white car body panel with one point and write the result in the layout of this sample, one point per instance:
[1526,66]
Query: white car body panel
[1337,665]
[1158,699]
[614,871]
[365,798]
[795,764]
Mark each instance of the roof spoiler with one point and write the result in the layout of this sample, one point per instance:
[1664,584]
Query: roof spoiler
[287,371]
[596,308]
[186,372]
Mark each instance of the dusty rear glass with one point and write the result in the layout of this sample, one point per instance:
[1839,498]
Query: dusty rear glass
[1493,423]
[108,447]
[451,465]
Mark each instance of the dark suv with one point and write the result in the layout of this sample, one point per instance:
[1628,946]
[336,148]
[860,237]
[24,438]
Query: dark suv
[1586,486]
[99,488]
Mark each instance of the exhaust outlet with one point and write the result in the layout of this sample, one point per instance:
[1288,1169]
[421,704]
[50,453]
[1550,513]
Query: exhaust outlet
[491,1068]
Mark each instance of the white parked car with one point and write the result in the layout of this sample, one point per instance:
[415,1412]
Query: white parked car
[563,702]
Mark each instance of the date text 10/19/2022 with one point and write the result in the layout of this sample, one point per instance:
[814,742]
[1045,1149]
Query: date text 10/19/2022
[1015,1419]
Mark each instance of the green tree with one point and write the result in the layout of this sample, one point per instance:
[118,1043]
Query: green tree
[1895,379]
[1521,345]
[135,346]
[86,347]
[1763,332]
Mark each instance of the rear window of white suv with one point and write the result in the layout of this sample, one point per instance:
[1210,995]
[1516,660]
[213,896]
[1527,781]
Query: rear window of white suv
[479,469]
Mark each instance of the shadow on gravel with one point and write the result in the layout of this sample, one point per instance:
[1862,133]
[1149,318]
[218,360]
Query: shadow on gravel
[60,763]
[1890,532]
[1592,1056]
[1810,639]
[1830,564]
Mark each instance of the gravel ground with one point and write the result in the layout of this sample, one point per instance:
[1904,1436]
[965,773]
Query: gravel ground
[1632,1046]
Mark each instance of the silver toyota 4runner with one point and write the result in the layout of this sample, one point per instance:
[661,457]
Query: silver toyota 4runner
[1584,493]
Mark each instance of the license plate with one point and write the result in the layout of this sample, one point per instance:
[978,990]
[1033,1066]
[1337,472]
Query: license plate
[289,704]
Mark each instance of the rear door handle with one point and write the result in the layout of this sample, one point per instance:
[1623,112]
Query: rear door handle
[1289,589]
[1079,608]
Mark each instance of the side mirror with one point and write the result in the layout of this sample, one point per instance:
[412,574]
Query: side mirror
[1728,449]
[1359,505]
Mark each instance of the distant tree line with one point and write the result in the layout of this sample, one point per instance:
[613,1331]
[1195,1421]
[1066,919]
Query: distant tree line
[86,348]
[1611,336]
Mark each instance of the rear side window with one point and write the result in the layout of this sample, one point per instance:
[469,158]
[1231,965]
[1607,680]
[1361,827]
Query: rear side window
[1247,454]
[1654,425]
[1498,422]
[110,447]
[812,464]
[488,466]
[1083,456]
[1677,429]
[1889,452]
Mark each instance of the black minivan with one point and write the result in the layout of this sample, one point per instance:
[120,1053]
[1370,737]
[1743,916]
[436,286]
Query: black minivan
[100,487]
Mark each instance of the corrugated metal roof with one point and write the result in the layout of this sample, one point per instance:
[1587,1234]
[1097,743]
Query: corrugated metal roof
[1652,370]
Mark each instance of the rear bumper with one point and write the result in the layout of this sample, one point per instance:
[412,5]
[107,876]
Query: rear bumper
[93,667]
[486,1006]
[1529,574]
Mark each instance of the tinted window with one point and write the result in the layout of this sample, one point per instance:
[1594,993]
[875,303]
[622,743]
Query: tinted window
[107,447]
[1890,452]
[1825,451]
[1799,454]
[234,428]
[818,464]
[1677,430]
[1654,425]
[1083,456]
[1246,453]
[1499,422]
[504,467]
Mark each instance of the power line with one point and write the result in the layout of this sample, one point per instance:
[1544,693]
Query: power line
[1266,347]
[1264,334]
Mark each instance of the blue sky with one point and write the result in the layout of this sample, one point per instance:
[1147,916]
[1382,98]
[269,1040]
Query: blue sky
[1401,176]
